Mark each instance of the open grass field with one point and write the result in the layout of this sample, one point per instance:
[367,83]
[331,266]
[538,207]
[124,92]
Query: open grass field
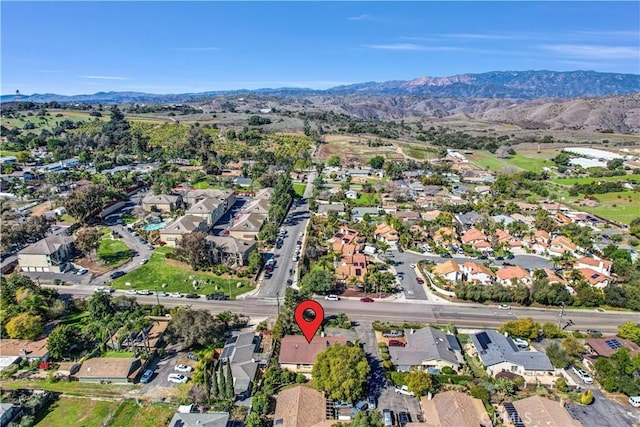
[201,185]
[47,122]
[299,187]
[8,153]
[491,162]
[587,180]
[417,152]
[68,411]
[112,252]
[355,149]
[159,270]
[129,414]
[623,206]
[72,388]
[366,199]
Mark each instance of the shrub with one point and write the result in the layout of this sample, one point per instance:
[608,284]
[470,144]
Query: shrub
[561,385]
[382,345]
[387,364]
[448,370]
[586,398]
[480,392]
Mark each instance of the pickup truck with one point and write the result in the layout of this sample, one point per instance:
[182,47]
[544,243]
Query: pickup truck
[404,390]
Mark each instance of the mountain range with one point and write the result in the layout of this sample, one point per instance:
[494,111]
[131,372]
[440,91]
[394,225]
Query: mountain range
[493,85]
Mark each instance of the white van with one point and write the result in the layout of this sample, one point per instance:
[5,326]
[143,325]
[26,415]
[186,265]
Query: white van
[634,401]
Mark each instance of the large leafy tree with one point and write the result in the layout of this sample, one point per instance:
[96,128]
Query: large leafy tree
[100,307]
[317,281]
[522,328]
[62,339]
[630,331]
[24,326]
[419,382]
[341,371]
[85,200]
[195,327]
[558,357]
[192,248]
[88,240]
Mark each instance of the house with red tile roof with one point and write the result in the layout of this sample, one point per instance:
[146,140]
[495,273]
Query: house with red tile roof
[448,270]
[473,235]
[507,275]
[594,278]
[560,245]
[386,233]
[600,265]
[478,273]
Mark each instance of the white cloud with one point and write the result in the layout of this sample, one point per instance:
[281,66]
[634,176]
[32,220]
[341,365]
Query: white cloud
[363,17]
[593,51]
[106,78]
[480,36]
[411,47]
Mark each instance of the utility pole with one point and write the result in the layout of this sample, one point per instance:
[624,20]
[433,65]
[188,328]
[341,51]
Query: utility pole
[561,314]
[278,301]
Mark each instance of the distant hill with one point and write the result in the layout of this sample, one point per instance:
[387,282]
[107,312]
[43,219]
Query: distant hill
[495,84]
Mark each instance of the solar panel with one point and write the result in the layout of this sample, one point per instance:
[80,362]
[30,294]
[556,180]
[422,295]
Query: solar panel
[513,415]
[613,344]
[484,340]
[227,351]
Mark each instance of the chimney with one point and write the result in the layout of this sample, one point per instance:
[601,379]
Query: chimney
[429,396]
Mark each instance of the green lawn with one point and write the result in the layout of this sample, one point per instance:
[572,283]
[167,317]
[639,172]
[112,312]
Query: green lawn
[299,188]
[366,199]
[8,153]
[113,252]
[624,211]
[157,271]
[129,414]
[491,162]
[201,185]
[40,123]
[68,411]
[72,388]
[588,180]
[75,319]
[118,354]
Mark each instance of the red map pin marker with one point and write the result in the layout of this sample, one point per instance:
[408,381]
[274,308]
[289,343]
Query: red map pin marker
[309,327]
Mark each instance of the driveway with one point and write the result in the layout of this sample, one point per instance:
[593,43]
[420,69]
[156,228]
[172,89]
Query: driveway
[604,412]
[159,387]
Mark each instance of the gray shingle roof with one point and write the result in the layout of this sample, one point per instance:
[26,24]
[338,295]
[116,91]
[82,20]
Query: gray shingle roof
[47,246]
[210,419]
[494,348]
[426,344]
[240,350]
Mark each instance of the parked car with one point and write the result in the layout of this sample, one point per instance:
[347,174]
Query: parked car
[360,406]
[594,332]
[342,404]
[403,419]
[396,343]
[419,280]
[192,296]
[144,292]
[387,417]
[366,299]
[392,334]
[404,390]
[183,368]
[146,377]
[584,376]
[176,295]
[218,296]
[143,261]
[132,292]
[504,307]
[446,255]
[520,343]
[371,400]
[117,274]
[177,378]
[82,271]
[331,297]
[634,401]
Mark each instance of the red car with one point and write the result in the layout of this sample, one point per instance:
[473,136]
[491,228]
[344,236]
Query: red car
[396,343]
[419,280]
[366,299]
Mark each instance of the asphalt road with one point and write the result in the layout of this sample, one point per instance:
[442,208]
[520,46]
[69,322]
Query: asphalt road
[462,315]
[298,218]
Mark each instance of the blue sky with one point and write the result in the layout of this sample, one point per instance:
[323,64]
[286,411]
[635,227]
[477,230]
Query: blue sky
[174,47]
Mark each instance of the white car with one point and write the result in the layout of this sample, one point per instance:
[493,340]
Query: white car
[176,295]
[412,265]
[177,378]
[162,294]
[520,343]
[82,271]
[504,307]
[404,390]
[132,292]
[144,292]
[143,261]
[332,297]
[634,401]
[586,378]
[183,368]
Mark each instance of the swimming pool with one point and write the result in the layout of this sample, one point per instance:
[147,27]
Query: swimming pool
[150,227]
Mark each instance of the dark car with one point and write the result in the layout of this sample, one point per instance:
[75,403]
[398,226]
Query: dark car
[366,299]
[396,343]
[403,418]
[117,274]
[192,296]
[594,332]
[446,255]
[507,264]
[510,256]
